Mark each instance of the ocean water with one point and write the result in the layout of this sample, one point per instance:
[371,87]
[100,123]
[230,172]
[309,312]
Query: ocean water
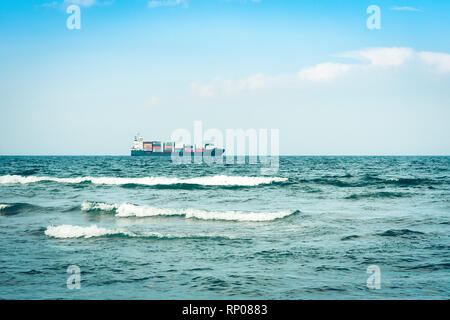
[144,228]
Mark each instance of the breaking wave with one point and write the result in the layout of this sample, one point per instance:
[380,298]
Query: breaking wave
[4,206]
[131,210]
[218,180]
[7,209]
[72,232]
[69,231]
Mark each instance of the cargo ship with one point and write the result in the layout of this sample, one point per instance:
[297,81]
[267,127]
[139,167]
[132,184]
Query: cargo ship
[169,149]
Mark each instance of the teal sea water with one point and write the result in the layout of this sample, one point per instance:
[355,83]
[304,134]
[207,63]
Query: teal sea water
[144,228]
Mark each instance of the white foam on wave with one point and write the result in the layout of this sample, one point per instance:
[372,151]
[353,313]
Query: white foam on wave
[68,231]
[392,179]
[219,180]
[236,215]
[4,206]
[130,210]
[97,206]
[71,232]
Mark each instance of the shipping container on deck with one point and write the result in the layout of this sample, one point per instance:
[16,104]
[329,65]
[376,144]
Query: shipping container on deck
[168,146]
[148,146]
[157,146]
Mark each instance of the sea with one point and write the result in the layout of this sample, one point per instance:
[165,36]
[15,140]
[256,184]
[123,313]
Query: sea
[121,227]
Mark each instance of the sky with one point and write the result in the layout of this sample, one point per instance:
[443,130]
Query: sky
[312,69]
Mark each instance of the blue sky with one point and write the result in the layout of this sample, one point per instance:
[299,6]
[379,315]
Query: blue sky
[312,69]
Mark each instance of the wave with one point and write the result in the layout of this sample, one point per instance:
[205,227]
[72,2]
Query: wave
[69,231]
[377,195]
[353,236]
[72,232]
[90,206]
[28,172]
[432,267]
[403,182]
[328,181]
[15,208]
[218,180]
[130,210]
[399,233]
[369,180]
[410,181]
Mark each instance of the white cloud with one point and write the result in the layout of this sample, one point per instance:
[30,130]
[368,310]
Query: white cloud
[229,86]
[166,3]
[437,61]
[394,56]
[256,81]
[81,3]
[324,71]
[203,90]
[405,9]
[382,58]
